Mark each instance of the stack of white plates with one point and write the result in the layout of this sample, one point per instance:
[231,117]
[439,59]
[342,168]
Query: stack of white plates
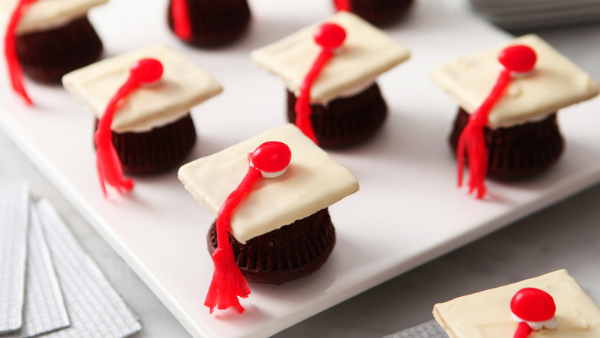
[517,14]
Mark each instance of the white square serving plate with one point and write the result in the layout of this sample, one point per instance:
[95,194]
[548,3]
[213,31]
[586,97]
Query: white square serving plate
[407,212]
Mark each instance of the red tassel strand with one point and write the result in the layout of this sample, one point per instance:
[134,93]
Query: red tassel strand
[110,170]
[515,59]
[228,283]
[10,51]
[329,36]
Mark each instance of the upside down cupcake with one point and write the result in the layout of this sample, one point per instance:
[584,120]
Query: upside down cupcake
[330,71]
[552,305]
[46,39]
[508,98]
[270,195]
[207,23]
[142,101]
[377,12]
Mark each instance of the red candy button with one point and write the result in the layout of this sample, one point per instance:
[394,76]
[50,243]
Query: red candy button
[146,70]
[330,36]
[518,58]
[533,305]
[271,156]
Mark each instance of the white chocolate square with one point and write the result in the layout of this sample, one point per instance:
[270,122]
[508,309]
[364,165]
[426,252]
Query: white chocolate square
[487,314]
[47,14]
[313,181]
[182,86]
[366,53]
[555,83]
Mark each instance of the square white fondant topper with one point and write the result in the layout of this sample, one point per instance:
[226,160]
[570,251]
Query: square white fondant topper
[47,14]
[183,85]
[555,83]
[366,53]
[487,313]
[313,181]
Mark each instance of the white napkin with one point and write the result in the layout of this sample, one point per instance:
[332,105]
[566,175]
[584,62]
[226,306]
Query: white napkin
[49,286]
[95,308]
[14,220]
[44,309]
[429,329]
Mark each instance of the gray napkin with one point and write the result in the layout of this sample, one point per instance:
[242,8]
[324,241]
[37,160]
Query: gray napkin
[14,219]
[44,309]
[95,308]
[429,329]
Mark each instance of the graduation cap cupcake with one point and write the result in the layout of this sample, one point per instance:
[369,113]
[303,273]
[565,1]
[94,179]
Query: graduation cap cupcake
[206,23]
[330,71]
[142,101]
[377,12]
[552,305]
[508,98]
[270,195]
[46,39]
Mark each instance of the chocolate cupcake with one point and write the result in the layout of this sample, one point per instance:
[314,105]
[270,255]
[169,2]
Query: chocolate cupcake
[518,151]
[339,101]
[293,251]
[156,150]
[207,23]
[377,12]
[345,120]
[277,217]
[152,130]
[53,37]
[518,122]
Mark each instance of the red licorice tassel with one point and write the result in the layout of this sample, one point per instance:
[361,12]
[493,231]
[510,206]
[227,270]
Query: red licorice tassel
[108,163]
[343,5]
[523,330]
[10,51]
[228,283]
[181,19]
[519,59]
[329,36]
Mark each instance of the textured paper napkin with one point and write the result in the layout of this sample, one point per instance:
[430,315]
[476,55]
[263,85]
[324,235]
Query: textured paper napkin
[14,221]
[430,329]
[95,308]
[44,309]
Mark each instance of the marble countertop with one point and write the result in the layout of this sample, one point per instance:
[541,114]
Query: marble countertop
[566,235]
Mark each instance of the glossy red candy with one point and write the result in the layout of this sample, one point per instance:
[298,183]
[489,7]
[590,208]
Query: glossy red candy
[146,70]
[330,36]
[519,58]
[271,156]
[533,305]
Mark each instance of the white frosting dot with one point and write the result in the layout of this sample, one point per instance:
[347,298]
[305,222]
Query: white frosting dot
[267,174]
[549,324]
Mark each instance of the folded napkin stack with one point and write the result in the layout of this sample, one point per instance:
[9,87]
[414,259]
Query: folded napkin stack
[49,286]
[430,329]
